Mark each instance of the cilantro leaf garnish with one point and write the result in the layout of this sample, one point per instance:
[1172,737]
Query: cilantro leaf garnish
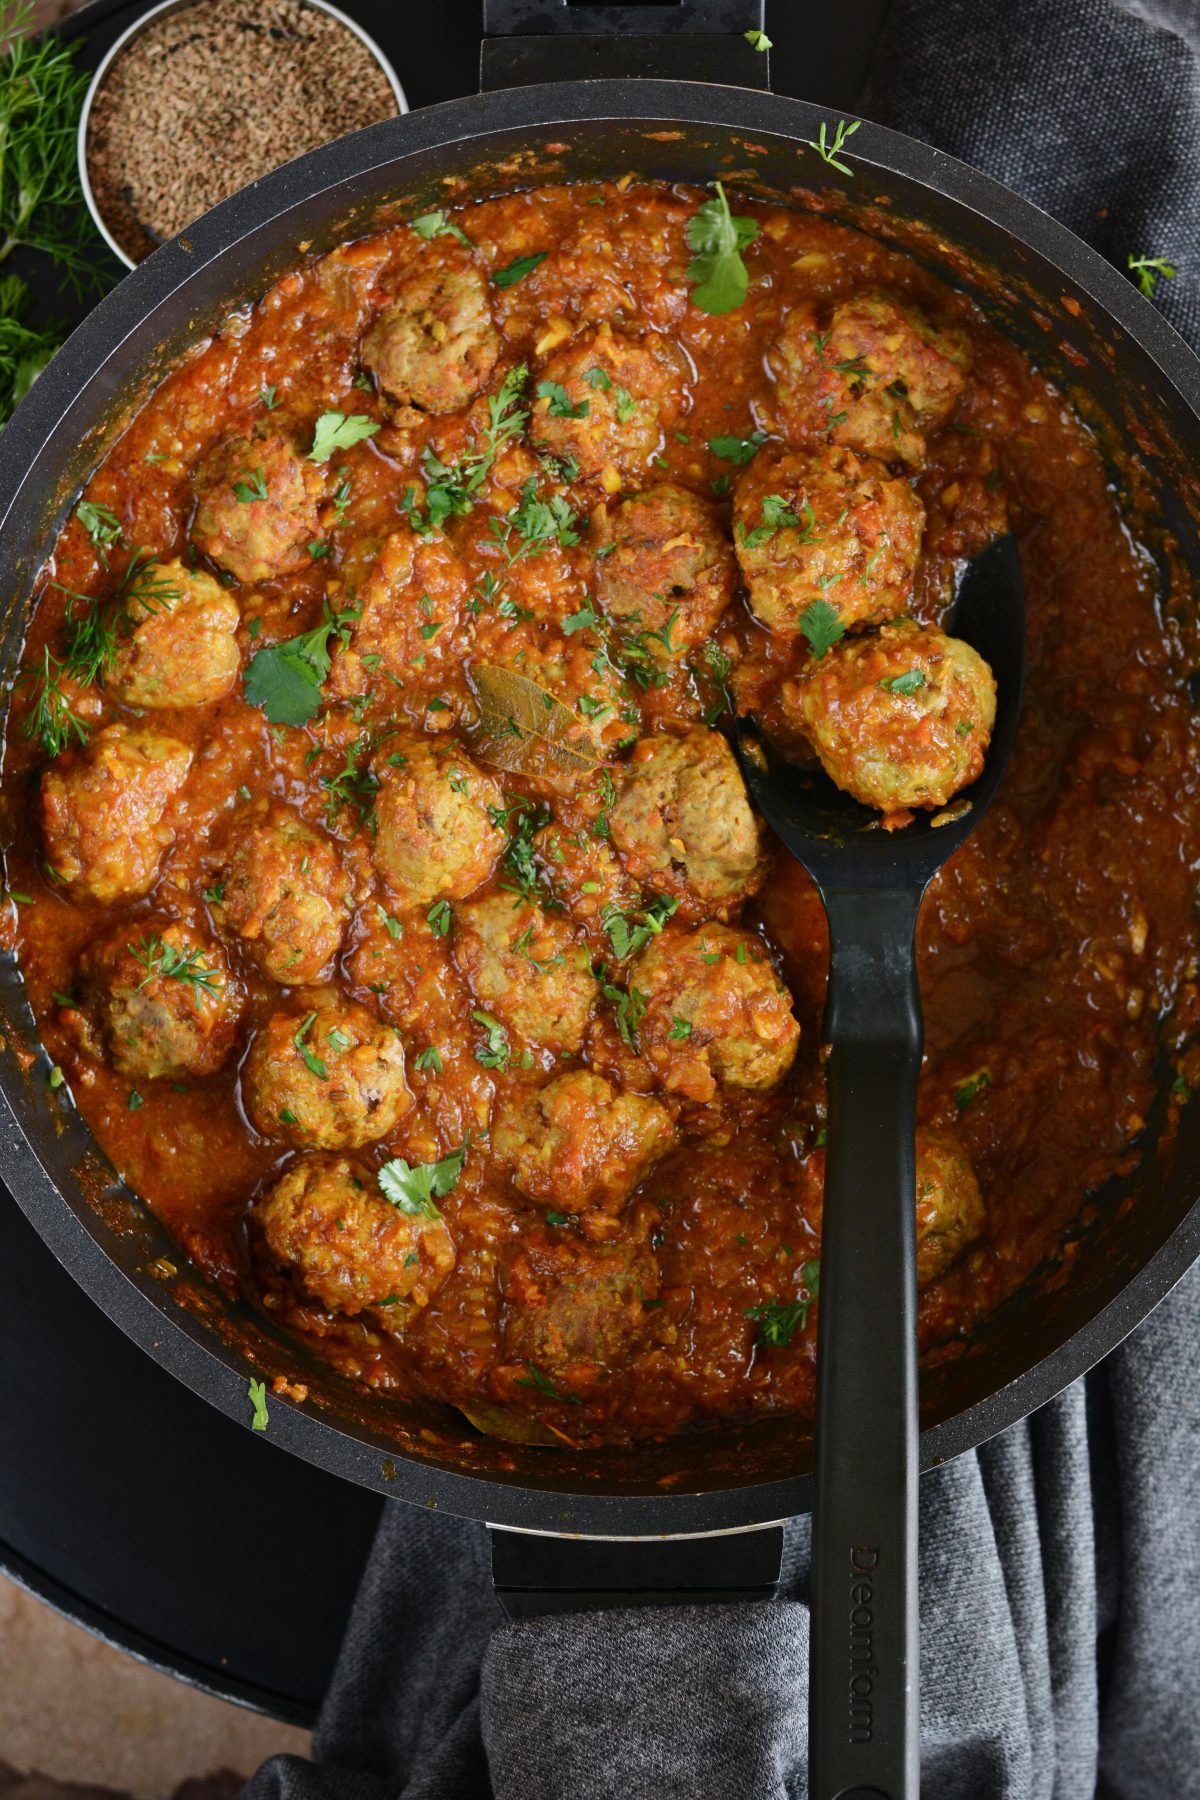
[258,1400]
[559,404]
[822,625]
[522,265]
[414,1191]
[738,450]
[717,270]
[909,683]
[830,148]
[495,1053]
[101,524]
[312,1061]
[285,679]
[627,938]
[778,1319]
[971,1088]
[436,224]
[777,515]
[339,431]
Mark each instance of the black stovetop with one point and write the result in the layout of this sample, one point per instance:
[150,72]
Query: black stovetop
[197,1574]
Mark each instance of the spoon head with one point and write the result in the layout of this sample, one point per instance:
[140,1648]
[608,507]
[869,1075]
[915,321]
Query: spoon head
[842,843]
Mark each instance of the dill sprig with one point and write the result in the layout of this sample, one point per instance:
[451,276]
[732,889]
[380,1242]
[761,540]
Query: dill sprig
[41,204]
[163,961]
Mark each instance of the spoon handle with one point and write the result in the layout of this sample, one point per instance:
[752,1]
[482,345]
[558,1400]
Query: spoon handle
[863,1707]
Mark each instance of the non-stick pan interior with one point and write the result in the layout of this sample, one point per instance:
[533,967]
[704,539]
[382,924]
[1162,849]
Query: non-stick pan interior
[1086,328]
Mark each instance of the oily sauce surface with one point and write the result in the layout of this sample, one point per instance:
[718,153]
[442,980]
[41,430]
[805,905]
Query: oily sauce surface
[1052,948]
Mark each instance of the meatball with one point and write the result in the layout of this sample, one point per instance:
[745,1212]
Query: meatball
[159,1001]
[329,1078]
[899,718]
[683,823]
[181,649]
[283,890]
[103,810]
[826,525]
[256,507]
[573,1308]
[950,1209]
[715,1011]
[879,377]
[577,1143]
[525,967]
[435,838]
[663,561]
[604,400]
[435,345]
[352,1249]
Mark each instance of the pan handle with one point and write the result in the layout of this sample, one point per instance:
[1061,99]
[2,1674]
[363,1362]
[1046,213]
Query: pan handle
[527,41]
[536,1573]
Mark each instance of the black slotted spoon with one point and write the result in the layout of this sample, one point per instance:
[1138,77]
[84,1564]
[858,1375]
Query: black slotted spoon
[864,1718]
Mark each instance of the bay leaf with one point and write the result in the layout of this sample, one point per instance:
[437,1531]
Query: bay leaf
[510,1427]
[526,730]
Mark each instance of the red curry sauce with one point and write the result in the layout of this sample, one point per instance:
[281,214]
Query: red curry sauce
[1052,948]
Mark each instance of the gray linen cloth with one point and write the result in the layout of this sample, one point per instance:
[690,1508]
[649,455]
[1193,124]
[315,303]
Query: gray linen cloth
[1060,1564]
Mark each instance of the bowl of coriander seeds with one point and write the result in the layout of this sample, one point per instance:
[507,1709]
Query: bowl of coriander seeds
[200,97]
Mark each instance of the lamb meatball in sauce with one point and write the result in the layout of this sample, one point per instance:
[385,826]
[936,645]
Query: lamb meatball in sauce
[900,718]
[381,872]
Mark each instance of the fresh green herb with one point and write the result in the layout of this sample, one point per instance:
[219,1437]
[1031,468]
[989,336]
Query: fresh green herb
[624,405]
[353,785]
[285,679]
[524,947]
[41,95]
[102,526]
[757,40]
[135,1101]
[55,1078]
[738,450]
[822,626]
[439,918]
[394,928]
[971,1088]
[777,515]
[414,1191]
[681,1029]
[252,486]
[586,619]
[911,682]
[778,1320]
[269,397]
[495,1053]
[719,277]
[436,224]
[1148,269]
[544,1385]
[521,872]
[830,148]
[523,265]
[627,938]
[557,1218]
[1180,1089]
[339,431]
[629,1006]
[317,549]
[340,1040]
[598,378]
[312,1062]
[451,488]
[430,1060]
[215,895]
[559,403]
[25,348]
[258,1400]
[163,961]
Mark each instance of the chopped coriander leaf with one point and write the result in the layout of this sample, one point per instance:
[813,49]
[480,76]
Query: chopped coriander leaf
[822,626]
[430,1060]
[135,1101]
[717,272]
[55,1078]
[414,1191]
[269,397]
[439,918]
[18,899]
[544,1385]
[436,224]
[971,1088]
[629,1005]
[521,266]
[311,1060]
[777,515]
[598,378]
[215,894]
[910,682]
[451,488]
[252,486]
[830,148]
[681,1029]
[1148,269]
[559,403]
[253,627]
[624,405]
[738,450]
[353,785]
[586,618]
[495,1053]
[779,1319]
[557,1218]
[101,524]
[394,928]
[285,679]
[757,40]
[627,938]
[339,431]
[258,1400]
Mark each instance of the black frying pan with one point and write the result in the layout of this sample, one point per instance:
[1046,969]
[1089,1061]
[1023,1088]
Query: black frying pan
[1086,326]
